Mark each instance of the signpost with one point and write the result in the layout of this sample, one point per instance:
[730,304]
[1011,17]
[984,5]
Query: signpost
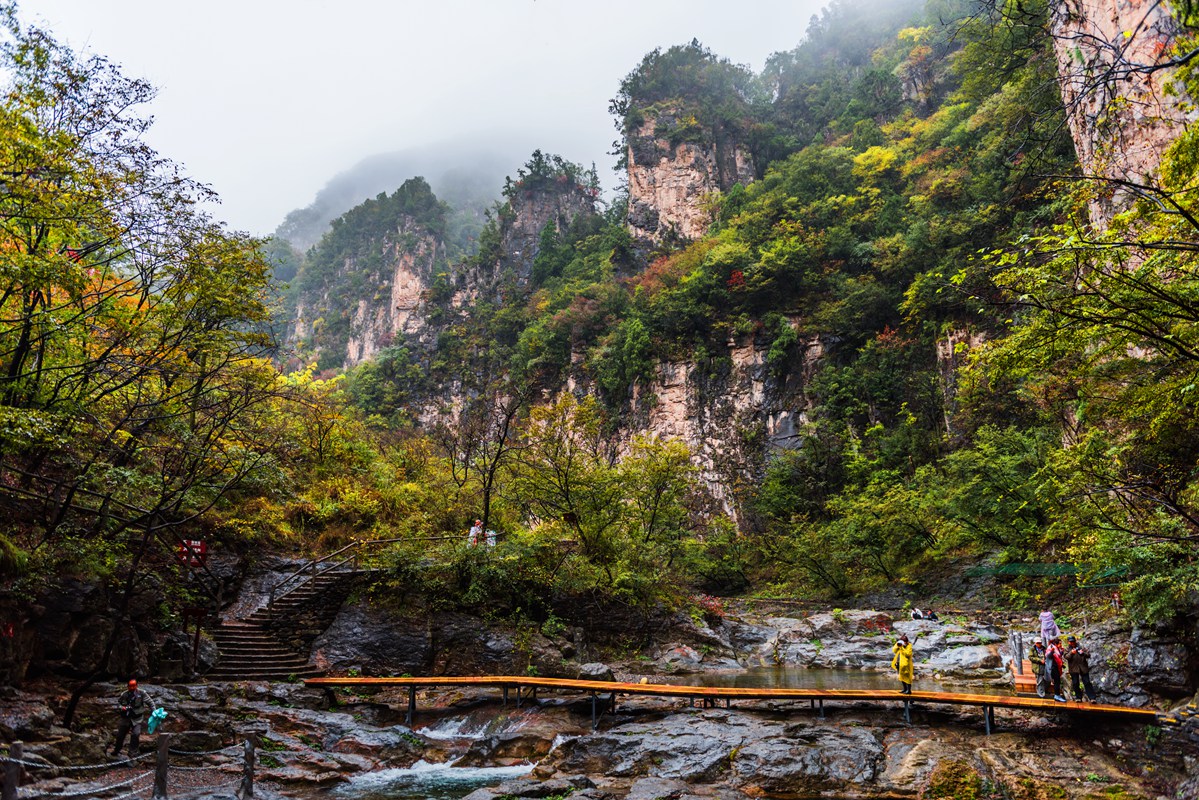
[192,552]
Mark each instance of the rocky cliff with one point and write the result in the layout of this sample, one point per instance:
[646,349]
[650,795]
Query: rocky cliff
[729,410]
[532,205]
[1114,74]
[385,273]
[393,283]
[364,283]
[675,165]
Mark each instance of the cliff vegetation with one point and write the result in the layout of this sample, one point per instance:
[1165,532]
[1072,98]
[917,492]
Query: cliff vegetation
[887,243]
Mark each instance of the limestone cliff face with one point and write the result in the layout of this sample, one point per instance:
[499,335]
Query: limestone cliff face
[389,285]
[729,411]
[952,355]
[674,166]
[534,208]
[1122,117]
[533,204]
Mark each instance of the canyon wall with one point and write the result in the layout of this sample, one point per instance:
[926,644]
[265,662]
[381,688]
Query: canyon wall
[1115,79]
[372,299]
[674,167]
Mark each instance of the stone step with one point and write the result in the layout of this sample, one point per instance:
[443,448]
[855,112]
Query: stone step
[239,630]
[261,674]
[246,638]
[271,646]
[258,665]
[249,651]
[291,661]
[265,677]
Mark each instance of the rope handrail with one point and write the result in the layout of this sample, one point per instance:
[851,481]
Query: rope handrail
[173,751]
[357,543]
[129,795]
[72,767]
[93,790]
[276,596]
[308,569]
[312,564]
[14,763]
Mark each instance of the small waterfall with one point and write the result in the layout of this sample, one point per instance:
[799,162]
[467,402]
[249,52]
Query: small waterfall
[560,740]
[477,724]
[425,780]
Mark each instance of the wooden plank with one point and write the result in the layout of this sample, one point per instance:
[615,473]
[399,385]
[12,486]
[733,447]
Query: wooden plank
[1026,683]
[713,692]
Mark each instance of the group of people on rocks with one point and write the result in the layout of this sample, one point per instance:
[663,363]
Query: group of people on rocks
[1050,659]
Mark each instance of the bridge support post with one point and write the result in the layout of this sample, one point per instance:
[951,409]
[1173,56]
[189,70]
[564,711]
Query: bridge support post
[594,718]
[988,717]
[505,697]
[907,711]
[822,708]
[411,706]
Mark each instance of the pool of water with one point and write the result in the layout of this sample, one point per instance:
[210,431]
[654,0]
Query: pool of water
[425,782]
[799,678]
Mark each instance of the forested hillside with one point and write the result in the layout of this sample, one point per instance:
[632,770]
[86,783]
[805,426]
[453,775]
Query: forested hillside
[876,286]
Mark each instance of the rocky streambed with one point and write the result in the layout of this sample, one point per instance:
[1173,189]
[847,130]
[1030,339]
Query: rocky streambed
[313,743]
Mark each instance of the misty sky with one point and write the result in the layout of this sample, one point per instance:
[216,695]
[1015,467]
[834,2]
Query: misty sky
[265,100]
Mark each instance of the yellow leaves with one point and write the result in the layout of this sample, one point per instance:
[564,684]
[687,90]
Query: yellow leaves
[914,35]
[875,165]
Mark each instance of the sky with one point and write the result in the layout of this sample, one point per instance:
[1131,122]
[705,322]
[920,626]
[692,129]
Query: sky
[266,100]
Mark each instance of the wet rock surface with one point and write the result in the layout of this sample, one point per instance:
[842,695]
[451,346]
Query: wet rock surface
[651,748]
[375,640]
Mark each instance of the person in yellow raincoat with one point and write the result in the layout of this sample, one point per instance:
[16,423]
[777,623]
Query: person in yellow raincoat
[902,663]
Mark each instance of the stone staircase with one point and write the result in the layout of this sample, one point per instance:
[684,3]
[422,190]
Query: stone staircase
[267,644]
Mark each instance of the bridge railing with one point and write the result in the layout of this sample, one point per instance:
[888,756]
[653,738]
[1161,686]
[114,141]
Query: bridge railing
[336,561]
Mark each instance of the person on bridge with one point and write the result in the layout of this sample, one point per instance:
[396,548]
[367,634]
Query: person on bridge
[1036,657]
[1054,660]
[1049,628]
[902,663]
[132,706]
[1077,660]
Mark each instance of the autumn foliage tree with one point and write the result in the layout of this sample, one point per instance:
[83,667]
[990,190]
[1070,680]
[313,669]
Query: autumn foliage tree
[131,368]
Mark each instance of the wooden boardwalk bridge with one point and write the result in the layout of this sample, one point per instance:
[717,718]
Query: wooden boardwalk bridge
[604,694]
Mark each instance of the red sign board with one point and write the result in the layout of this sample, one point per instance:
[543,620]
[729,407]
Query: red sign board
[192,552]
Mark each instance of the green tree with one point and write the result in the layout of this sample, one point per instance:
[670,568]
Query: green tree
[133,391]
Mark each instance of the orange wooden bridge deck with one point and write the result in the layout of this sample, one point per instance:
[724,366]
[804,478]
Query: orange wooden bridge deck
[710,695]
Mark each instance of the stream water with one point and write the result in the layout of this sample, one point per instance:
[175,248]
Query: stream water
[425,782]
[446,782]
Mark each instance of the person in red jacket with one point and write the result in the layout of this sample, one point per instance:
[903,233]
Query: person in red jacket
[1054,660]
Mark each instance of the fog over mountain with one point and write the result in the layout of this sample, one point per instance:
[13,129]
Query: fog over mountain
[462,172]
[265,101]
